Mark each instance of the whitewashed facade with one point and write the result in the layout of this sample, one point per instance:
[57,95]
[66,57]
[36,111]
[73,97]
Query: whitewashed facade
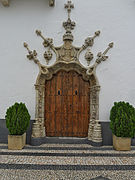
[18,22]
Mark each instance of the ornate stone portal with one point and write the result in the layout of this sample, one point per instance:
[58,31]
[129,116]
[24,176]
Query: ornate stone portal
[67,58]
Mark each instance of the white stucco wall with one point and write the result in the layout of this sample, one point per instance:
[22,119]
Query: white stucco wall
[115,19]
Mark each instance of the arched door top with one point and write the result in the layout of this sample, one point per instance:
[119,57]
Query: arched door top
[46,73]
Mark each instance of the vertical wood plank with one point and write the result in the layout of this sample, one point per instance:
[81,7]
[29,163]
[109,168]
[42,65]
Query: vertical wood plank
[69,103]
[58,104]
[65,113]
[75,104]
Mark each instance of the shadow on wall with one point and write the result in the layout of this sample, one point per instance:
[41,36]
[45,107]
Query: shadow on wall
[4,132]
[106,134]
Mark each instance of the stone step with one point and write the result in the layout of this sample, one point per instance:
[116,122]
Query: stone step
[66,162]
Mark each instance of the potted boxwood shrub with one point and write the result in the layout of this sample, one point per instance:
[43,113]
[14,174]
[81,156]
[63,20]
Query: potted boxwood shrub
[17,121]
[122,116]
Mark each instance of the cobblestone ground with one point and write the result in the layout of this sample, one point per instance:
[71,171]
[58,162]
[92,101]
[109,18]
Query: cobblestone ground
[66,162]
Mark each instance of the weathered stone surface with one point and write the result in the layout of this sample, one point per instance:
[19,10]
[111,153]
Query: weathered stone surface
[16,142]
[121,144]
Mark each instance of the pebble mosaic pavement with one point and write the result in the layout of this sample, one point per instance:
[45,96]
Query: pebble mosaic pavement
[66,162]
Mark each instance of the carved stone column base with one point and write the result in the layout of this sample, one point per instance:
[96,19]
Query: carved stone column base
[36,130]
[97,136]
[90,130]
[42,131]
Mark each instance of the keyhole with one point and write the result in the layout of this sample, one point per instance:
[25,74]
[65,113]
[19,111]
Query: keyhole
[75,92]
[59,92]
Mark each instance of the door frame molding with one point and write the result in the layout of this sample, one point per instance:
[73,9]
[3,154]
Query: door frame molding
[47,73]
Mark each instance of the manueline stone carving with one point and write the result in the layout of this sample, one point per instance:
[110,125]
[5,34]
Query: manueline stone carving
[88,56]
[67,58]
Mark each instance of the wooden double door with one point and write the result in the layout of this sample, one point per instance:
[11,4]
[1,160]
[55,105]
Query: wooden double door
[67,105]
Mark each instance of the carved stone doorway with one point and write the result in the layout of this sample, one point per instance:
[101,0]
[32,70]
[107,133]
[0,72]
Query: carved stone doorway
[67,105]
[67,61]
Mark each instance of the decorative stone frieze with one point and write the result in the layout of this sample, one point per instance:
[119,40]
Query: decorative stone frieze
[67,58]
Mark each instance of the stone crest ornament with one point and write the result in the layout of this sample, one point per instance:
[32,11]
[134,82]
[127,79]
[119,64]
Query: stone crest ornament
[67,59]
[88,56]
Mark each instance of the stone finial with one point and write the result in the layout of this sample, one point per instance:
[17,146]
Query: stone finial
[97,136]
[69,6]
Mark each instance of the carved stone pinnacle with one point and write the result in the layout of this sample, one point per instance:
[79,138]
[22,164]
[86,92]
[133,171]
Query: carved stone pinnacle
[97,33]
[69,25]
[38,32]
[25,44]
[69,6]
[111,45]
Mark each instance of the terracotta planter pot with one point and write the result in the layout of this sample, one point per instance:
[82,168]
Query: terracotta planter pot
[16,142]
[121,143]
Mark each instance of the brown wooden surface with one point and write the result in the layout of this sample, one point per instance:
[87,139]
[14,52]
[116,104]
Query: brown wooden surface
[67,106]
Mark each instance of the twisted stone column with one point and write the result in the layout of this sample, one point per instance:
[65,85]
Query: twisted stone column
[38,129]
[94,131]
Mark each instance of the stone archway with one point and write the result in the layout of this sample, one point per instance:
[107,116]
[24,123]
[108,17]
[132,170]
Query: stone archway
[67,59]
[94,130]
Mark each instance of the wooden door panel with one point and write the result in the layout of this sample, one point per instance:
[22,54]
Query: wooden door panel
[51,86]
[50,124]
[64,123]
[67,105]
[70,125]
[58,124]
[75,124]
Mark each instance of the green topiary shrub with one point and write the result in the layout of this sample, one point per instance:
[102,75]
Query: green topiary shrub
[17,119]
[122,116]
